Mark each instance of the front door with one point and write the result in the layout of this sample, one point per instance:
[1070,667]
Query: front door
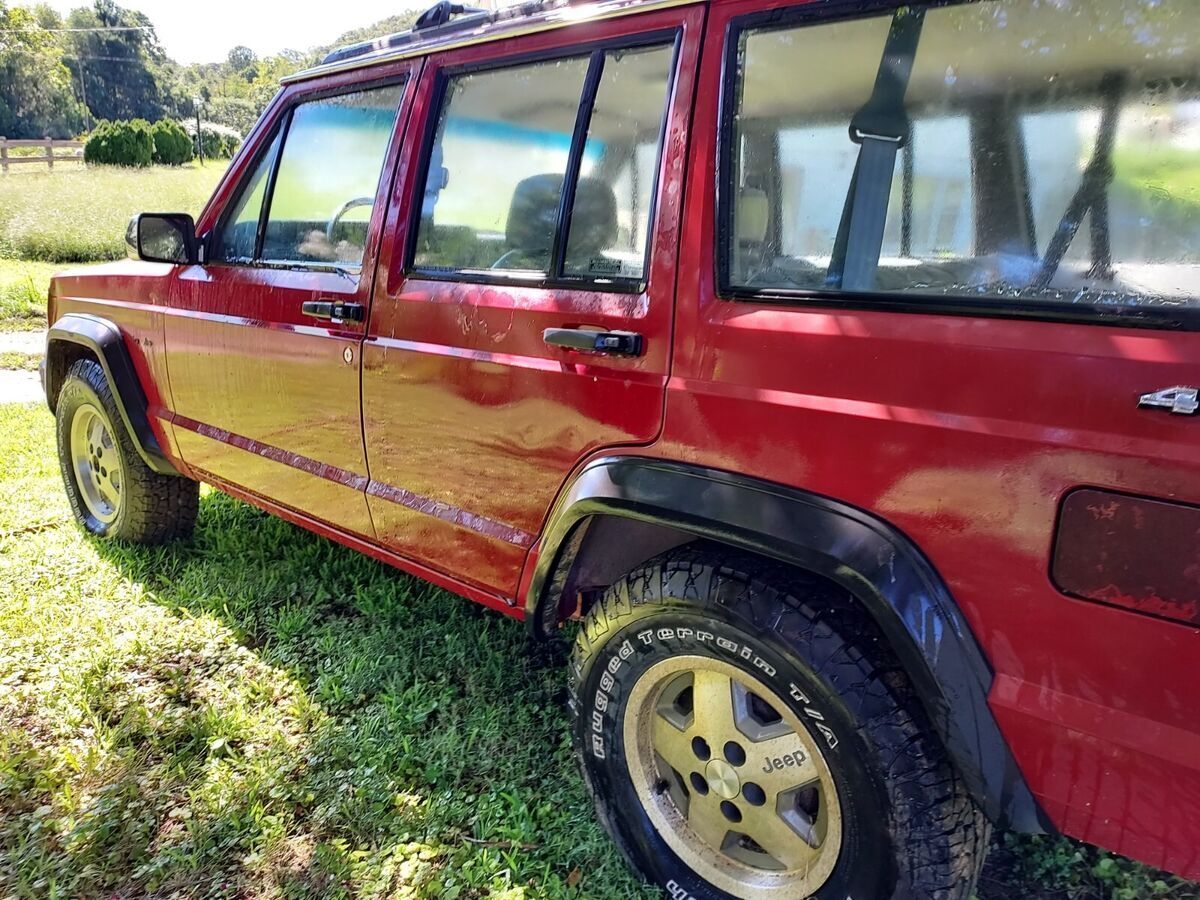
[525,320]
[265,339]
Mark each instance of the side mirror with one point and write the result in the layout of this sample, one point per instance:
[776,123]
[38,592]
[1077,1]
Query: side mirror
[162,237]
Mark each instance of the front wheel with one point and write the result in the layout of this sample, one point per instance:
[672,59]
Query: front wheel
[745,733]
[112,491]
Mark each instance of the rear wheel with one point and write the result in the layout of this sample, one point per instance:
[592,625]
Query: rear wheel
[745,733]
[113,493]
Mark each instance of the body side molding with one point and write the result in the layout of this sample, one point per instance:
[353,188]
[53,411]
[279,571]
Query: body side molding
[874,561]
[103,339]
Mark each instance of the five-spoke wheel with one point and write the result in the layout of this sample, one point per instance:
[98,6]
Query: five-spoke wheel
[732,779]
[97,464]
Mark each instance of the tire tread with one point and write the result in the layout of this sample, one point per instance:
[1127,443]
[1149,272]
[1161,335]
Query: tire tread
[941,834]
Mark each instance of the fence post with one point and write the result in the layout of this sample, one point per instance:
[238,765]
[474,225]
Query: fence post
[50,152]
[3,154]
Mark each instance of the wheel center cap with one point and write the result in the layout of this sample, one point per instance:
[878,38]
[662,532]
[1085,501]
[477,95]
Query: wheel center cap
[722,780]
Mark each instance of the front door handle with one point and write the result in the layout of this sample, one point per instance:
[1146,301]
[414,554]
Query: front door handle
[1180,400]
[334,310]
[614,343]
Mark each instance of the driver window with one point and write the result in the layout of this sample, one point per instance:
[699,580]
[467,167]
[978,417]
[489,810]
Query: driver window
[325,182]
[328,175]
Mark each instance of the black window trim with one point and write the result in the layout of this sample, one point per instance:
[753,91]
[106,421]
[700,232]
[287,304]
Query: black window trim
[1120,315]
[664,36]
[279,130]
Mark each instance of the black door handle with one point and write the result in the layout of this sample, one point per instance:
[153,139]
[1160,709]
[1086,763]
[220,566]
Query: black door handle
[614,343]
[335,310]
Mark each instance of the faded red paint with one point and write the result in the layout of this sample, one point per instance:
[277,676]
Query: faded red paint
[967,434]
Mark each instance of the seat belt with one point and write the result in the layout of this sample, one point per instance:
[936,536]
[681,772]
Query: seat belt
[1092,196]
[880,129]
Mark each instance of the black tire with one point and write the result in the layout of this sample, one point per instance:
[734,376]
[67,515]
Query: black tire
[909,829]
[153,508]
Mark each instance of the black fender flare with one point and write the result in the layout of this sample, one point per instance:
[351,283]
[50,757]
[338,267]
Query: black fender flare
[874,561]
[103,340]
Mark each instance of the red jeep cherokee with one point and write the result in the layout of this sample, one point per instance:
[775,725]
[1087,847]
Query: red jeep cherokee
[834,363]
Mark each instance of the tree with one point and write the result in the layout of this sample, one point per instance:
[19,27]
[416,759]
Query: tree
[241,58]
[118,59]
[36,95]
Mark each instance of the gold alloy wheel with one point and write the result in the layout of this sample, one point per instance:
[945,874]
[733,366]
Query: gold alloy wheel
[97,464]
[732,780]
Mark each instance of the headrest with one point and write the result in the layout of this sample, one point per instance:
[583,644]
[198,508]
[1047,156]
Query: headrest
[752,215]
[534,208]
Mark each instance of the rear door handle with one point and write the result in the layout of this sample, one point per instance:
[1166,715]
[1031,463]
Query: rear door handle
[614,343]
[1180,400]
[334,310]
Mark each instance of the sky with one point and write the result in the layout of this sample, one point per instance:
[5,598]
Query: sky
[193,33]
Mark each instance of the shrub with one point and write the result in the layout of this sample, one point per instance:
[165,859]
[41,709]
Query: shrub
[172,145]
[120,144]
[218,144]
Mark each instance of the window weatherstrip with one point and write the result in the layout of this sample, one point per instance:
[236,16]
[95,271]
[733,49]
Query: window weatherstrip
[566,199]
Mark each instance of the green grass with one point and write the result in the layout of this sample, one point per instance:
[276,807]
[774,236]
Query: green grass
[261,712]
[23,362]
[77,213]
[23,289]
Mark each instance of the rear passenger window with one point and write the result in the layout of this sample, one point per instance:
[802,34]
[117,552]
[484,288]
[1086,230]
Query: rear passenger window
[620,160]
[503,141]
[535,175]
[974,151]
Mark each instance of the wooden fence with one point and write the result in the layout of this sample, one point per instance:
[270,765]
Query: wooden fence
[46,144]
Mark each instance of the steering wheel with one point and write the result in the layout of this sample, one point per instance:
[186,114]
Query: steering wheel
[342,210]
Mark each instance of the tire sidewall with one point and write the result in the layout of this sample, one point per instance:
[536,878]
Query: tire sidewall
[76,392]
[603,680]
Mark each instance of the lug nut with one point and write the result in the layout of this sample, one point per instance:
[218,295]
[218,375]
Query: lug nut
[731,812]
[700,748]
[734,753]
[698,783]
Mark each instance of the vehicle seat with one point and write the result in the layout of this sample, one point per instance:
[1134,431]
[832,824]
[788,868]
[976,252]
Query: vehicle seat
[533,212]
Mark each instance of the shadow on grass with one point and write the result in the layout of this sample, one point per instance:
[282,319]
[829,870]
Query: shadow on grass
[415,742]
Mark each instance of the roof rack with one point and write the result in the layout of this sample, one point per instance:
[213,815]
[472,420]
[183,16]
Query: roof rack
[444,17]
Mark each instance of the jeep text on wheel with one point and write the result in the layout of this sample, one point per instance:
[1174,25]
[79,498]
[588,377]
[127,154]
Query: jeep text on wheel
[833,365]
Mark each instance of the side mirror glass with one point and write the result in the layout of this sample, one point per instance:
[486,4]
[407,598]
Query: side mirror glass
[162,237]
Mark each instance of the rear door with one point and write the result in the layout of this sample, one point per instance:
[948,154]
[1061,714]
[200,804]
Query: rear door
[525,317]
[264,338]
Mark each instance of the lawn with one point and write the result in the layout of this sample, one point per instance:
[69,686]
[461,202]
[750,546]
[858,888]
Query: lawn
[79,213]
[23,288]
[53,220]
[261,712]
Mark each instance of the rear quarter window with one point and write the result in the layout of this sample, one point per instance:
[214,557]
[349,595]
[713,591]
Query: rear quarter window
[1045,155]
